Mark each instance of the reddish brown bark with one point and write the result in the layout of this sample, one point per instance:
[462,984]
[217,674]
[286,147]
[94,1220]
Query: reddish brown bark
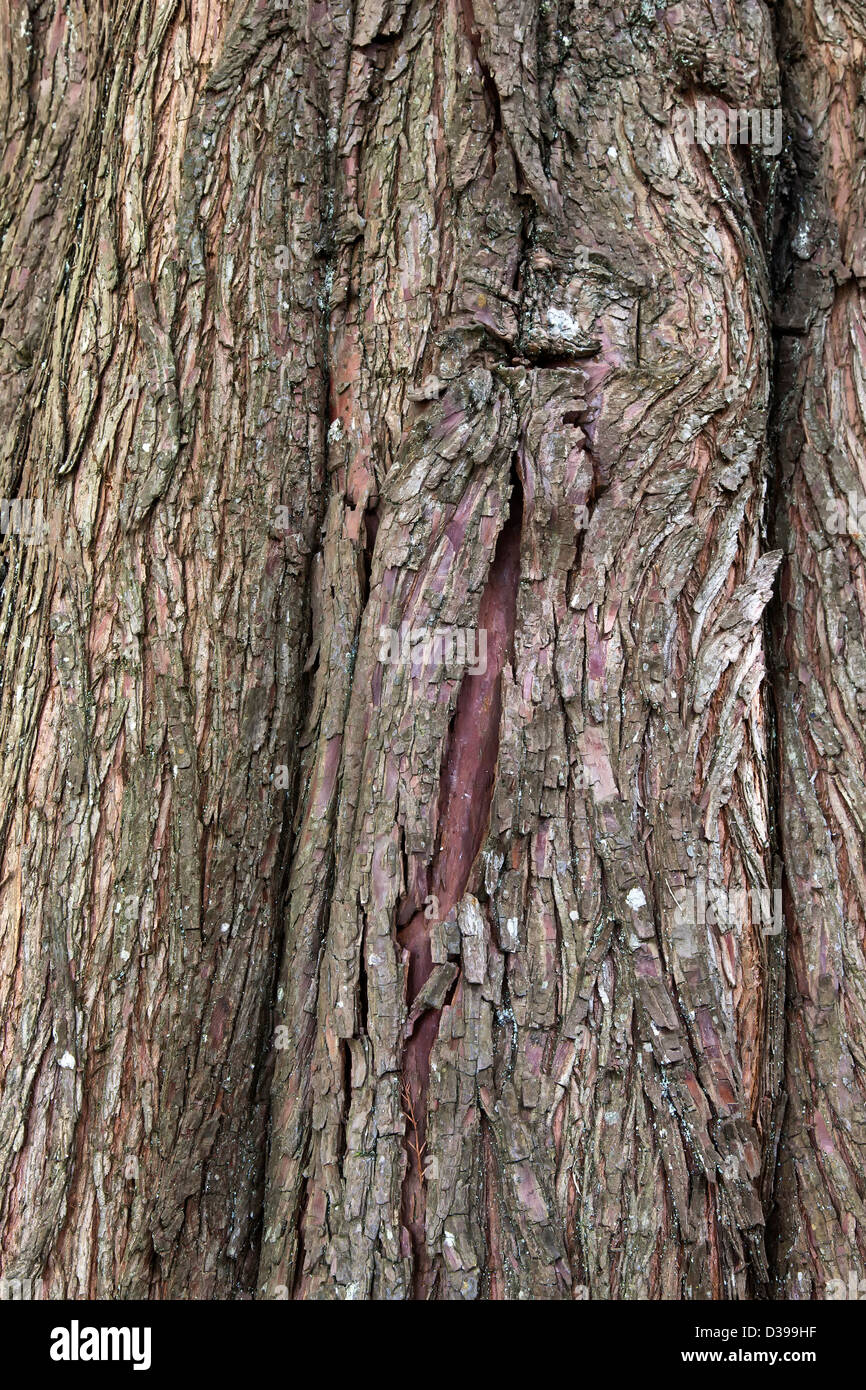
[821,1189]
[332,973]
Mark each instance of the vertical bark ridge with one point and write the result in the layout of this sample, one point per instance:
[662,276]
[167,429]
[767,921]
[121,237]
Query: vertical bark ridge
[152,657]
[818,1226]
[518,213]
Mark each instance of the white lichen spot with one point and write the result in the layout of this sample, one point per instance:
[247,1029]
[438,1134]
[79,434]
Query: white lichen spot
[562,323]
[67,1061]
[635,898]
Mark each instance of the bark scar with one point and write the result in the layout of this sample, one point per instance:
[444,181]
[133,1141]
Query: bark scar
[466,792]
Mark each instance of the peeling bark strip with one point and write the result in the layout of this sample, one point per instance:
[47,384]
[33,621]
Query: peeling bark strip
[325,975]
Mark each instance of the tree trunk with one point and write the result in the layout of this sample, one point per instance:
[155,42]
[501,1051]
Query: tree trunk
[385,730]
[821,659]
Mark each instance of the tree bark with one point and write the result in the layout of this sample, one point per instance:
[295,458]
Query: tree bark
[329,969]
[821,679]
[153,652]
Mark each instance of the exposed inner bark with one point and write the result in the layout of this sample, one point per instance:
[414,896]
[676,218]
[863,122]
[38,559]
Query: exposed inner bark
[466,788]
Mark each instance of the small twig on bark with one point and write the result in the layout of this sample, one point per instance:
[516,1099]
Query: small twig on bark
[416,1147]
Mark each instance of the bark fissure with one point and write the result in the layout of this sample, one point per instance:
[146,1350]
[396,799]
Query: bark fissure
[465,796]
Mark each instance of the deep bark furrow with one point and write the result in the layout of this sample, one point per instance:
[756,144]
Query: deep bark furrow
[466,789]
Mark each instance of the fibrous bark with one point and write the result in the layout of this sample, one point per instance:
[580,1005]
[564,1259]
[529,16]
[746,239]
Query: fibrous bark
[153,653]
[330,975]
[598,1091]
[821,679]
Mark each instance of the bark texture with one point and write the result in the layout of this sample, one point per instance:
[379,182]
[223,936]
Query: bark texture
[153,652]
[822,660]
[327,975]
